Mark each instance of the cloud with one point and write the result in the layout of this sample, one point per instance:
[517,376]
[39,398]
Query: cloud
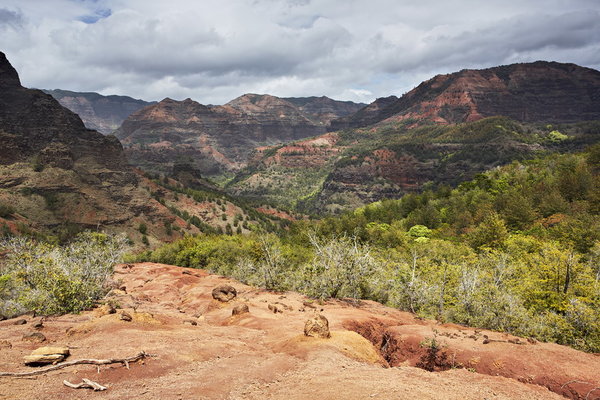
[213,51]
[10,19]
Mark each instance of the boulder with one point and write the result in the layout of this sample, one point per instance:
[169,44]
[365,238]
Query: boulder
[224,293]
[317,326]
[240,309]
[20,322]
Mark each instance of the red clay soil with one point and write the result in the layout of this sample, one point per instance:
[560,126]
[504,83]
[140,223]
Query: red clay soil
[202,352]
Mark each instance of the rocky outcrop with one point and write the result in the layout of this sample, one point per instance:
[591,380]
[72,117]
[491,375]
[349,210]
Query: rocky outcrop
[530,92]
[101,113]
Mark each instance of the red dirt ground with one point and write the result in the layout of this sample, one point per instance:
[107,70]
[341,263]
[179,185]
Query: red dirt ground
[265,355]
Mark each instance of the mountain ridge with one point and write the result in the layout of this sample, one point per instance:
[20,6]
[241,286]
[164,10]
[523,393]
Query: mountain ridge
[542,91]
[221,138]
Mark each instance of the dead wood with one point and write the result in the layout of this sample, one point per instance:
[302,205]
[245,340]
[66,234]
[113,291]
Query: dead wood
[86,384]
[125,361]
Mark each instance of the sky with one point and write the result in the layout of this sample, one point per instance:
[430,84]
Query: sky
[214,51]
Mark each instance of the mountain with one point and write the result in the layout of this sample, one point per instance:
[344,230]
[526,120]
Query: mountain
[323,109]
[444,131]
[529,92]
[101,113]
[219,139]
[58,177]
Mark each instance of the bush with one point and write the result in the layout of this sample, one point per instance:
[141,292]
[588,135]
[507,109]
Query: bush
[6,210]
[52,279]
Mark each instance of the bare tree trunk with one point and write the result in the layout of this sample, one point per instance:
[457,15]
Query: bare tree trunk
[442,293]
[568,273]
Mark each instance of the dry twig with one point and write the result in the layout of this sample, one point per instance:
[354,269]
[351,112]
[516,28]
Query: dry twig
[86,384]
[125,361]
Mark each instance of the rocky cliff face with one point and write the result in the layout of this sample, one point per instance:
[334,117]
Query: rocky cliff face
[217,138]
[101,113]
[532,92]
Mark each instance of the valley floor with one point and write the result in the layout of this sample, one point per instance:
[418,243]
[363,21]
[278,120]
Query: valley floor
[203,352]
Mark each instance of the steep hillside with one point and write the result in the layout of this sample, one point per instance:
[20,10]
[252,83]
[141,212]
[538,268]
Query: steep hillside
[343,170]
[218,138]
[531,92]
[101,113]
[58,177]
[367,115]
[198,349]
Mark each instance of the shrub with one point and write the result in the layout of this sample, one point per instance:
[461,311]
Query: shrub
[142,228]
[6,210]
[52,279]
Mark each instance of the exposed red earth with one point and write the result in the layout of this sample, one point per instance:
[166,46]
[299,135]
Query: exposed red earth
[203,352]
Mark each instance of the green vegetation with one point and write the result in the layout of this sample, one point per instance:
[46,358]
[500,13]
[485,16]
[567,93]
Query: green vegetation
[439,154]
[52,279]
[516,249]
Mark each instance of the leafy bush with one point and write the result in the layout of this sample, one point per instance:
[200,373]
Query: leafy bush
[52,279]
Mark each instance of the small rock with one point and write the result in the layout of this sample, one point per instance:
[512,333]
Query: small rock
[105,309]
[20,322]
[275,309]
[5,344]
[240,309]
[34,337]
[38,324]
[123,316]
[285,306]
[317,326]
[190,321]
[224,293]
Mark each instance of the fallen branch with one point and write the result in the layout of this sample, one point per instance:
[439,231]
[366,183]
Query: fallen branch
[86,384]
[125,361]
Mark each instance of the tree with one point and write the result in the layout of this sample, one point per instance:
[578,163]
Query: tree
[491,232]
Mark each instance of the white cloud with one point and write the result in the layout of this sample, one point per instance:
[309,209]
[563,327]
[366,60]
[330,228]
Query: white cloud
[213,51]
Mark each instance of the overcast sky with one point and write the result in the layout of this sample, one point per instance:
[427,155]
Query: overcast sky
[214,51]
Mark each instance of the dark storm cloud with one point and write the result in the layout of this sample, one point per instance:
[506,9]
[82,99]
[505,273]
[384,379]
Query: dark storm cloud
[214,50]
[9,18]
